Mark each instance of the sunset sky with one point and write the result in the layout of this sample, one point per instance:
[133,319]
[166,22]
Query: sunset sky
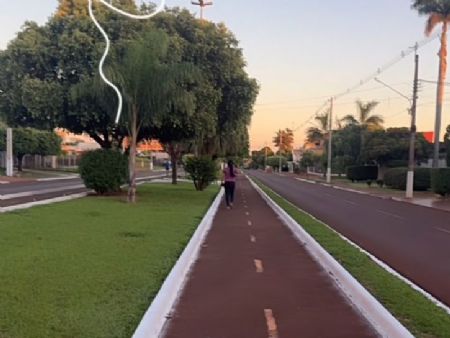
[302,52]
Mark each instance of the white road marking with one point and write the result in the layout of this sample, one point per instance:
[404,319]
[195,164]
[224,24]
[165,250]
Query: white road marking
[272,328]
[442,230]
[247,213]
[253,239]
[259,266]
[249,223]
[389,214]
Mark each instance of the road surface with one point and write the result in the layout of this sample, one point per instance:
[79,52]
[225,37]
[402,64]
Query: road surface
[413,240]
[30,191]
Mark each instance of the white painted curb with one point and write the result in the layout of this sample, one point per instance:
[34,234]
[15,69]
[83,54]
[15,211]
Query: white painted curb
[380,318]
[155,318]
[43,202]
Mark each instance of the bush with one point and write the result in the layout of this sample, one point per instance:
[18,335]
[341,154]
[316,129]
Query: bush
[104,170]
[362,173]
[396,178]
[274,162]
[440,181]
[202,170]
[397,164]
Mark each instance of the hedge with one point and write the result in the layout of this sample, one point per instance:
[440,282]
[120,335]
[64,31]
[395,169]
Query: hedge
[362,173]
[396,178]
[440,181]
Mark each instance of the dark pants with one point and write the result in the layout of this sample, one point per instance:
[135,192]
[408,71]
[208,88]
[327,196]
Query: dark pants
[229,192]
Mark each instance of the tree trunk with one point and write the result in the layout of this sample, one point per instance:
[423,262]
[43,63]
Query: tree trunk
[20,162]
[132,156]
[440,93]
[174,160]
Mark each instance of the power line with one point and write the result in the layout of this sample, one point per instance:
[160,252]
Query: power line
[380,70]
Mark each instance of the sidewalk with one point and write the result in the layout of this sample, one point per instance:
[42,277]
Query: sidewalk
[253,279]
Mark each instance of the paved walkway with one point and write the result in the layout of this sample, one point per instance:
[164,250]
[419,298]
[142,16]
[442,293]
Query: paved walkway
[253,279]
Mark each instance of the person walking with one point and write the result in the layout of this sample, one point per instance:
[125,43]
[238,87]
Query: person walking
[229,174]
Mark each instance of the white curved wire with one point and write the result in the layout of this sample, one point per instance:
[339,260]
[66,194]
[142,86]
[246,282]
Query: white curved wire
[108,44]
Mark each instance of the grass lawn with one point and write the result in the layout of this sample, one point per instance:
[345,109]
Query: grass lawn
[417,313]
[91,267]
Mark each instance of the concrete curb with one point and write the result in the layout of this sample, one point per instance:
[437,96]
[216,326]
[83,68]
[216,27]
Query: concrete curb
[155,319]
[378,316]
[391,198]
[43,202]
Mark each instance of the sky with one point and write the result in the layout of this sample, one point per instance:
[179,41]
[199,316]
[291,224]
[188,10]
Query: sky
[303,52]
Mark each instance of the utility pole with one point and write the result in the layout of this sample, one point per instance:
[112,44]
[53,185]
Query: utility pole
[265,156]
[279,151]
[9,153]
[330,137]
[412,142]
[202,4]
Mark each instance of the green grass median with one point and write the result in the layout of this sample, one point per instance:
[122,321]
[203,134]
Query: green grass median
[91,267]
[422,317]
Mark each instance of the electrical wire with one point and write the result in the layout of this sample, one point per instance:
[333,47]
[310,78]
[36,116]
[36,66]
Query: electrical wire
[108,44]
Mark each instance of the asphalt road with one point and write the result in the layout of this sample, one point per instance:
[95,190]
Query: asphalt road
[29,191]
[413,240]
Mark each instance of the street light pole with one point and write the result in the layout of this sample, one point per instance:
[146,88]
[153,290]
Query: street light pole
[265,156]
[202,4]
[9,153]
[330,136]
[412,141]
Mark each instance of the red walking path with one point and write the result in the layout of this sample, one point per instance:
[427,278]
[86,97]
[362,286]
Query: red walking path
[254,279]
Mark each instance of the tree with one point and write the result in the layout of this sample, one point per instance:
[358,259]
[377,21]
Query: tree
[259,158]
[365,120]
[438,12]
[447,144]
[226,96]
[284,141]
[152,87]
[318,134]
[28,141]
[393,144]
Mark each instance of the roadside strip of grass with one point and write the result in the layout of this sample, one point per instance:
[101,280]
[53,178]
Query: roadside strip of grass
[421,316]
[91,267]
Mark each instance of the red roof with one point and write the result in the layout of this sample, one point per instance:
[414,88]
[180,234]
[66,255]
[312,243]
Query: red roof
[429,136]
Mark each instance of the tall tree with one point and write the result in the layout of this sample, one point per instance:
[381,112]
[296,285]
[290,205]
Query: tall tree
[284,141]
[227,95]
[318,134]
[438,12]
[365,120]
[151,86]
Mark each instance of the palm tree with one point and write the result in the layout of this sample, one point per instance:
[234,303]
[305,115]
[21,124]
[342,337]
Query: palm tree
[364,120]
[438,11]
[318,133]
[286,138]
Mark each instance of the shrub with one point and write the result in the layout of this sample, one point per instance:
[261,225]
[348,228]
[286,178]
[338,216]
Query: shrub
[202,170]
[274,162]
[362,173]
[397,164]
[396,178]
[440,181]
[104,170]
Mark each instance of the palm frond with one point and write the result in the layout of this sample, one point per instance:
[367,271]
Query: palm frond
[433,20]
